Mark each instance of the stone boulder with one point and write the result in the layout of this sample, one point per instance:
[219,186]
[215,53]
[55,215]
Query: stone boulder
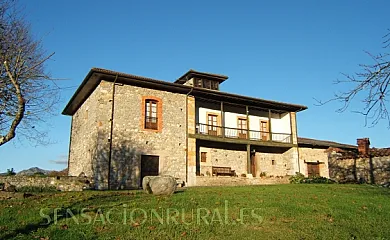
[145,184]
[159,185]
[9,187]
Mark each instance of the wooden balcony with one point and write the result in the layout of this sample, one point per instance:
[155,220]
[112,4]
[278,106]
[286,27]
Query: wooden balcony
[242,134]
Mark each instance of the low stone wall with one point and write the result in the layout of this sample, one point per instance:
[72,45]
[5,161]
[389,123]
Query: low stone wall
[62,183]
[374,170]
[238,181]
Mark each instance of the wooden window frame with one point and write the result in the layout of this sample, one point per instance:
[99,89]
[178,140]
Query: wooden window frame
[159,113]
[265,136]
[218,126]
[203,157]
[242,132]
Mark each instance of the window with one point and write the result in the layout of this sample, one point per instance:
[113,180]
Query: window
[206,83]
[264,131]
[212,122]
[151,113]
[214,85]
[242,127]
[203,156]
[198,82]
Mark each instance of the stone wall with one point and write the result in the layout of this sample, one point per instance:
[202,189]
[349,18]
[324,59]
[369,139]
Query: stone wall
[316,155]
[238,181]
[272,164]
[276,164]
[130,140]
[223,158]
[375,170]
[91,130]
[84,136]
[63,183]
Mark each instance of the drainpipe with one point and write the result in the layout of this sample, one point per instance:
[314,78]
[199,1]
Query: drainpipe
[111,131]
[187,132]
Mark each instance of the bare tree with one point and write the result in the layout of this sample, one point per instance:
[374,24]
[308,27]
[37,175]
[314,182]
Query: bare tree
[27,94]
[371,84]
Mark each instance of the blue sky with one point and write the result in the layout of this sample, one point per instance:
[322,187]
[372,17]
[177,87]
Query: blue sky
[288,51]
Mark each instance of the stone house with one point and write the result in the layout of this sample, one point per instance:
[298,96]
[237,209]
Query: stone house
[344,162]
[314,155]
[125,127]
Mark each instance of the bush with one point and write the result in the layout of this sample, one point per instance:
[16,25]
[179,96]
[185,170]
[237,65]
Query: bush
[297,178]
[35,189]
[300,178]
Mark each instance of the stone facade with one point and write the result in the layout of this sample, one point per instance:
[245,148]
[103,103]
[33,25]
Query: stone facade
[314,155]
[234,159]
[276,164]
[374,170]
[92,123]
[270,164]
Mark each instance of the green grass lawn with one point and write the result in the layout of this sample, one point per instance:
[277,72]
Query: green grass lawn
[302,211]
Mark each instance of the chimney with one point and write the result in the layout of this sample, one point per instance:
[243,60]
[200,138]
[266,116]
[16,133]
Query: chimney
[363,145]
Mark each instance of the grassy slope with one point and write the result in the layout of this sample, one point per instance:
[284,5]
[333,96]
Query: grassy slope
[287,211]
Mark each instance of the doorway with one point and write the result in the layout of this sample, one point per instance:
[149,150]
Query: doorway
[149,165]
[313,169]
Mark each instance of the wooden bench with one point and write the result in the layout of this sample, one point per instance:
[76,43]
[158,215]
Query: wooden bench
[225,171]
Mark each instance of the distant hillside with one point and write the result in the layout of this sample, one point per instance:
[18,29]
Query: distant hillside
[32,171]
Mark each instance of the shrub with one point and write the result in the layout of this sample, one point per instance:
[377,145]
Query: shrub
[263,174]
[300,178]
[297,178]
[31,189]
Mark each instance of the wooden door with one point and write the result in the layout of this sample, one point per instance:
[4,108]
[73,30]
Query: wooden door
[313,169]
[264,130]
[212,122]
[253,164]
[149,165]
[242,128]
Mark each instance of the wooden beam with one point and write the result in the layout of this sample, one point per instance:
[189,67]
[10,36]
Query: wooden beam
[247,122]
[222,120]
[269,124]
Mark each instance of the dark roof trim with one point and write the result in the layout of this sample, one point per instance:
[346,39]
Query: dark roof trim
[95,75]
[193,73]
[321,143]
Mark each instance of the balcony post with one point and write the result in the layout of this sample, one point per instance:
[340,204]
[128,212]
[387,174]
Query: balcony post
[222,121]
[269,124]
[247,122]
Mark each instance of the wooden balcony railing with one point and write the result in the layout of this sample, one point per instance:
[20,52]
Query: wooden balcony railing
[227,132]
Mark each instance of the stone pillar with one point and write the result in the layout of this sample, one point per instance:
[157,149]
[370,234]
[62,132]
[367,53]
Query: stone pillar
[191,142]
[296,165]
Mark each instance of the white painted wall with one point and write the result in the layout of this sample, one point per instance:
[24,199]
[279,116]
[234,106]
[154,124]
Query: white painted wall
[280,123]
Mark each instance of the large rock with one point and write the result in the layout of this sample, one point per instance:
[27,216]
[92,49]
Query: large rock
[145,184]
[159,185]
[163,185]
